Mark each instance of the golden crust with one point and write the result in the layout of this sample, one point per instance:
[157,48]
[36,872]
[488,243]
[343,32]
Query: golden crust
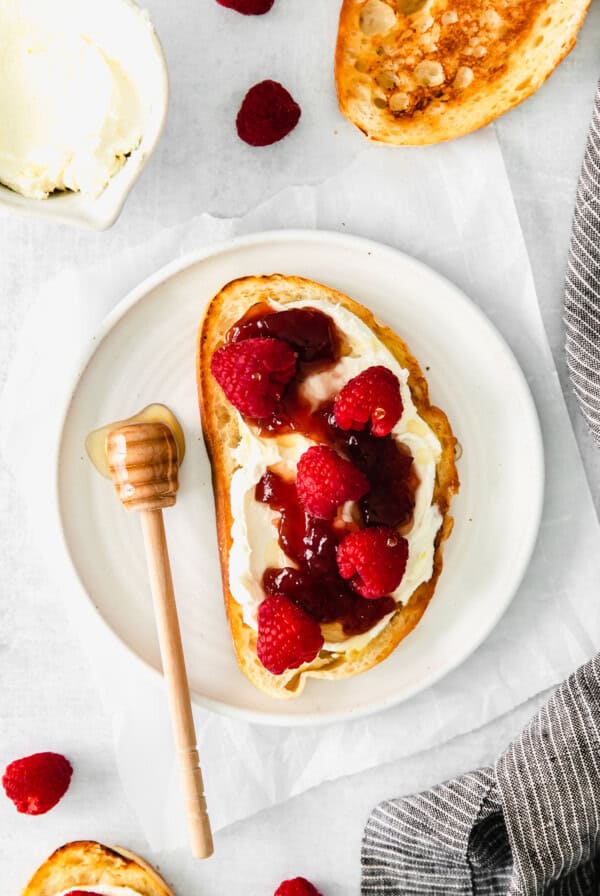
[452,66]
[85,864]
[221,434]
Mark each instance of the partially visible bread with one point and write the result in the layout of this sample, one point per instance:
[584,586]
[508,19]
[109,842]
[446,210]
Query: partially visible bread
[85,864]
[414,72]
[221,433]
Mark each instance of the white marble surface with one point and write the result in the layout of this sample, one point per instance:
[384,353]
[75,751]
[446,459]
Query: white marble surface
[47,699]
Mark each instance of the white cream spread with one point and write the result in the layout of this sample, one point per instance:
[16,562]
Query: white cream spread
[254,533]
[70,114]
[102,890]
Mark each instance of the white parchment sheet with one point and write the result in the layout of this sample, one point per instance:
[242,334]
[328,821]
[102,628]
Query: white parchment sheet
[451,207]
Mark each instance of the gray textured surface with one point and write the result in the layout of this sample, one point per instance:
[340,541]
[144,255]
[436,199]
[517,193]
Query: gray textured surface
[543,143]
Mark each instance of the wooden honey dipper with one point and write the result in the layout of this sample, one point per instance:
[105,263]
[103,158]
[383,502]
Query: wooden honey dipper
[143,461]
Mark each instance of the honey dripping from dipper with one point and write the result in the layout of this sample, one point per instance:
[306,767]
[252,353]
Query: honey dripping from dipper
[95,444]
[142,456]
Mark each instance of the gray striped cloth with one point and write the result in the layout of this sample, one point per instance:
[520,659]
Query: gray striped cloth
[530,824]
[582,293]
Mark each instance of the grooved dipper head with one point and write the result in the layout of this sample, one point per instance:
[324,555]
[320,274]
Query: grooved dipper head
[143,462]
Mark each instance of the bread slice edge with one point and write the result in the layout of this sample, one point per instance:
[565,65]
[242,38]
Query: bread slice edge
[528,66]
[83,864]
[221,434]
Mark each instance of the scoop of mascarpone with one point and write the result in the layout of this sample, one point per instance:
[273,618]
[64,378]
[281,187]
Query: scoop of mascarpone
[70,114]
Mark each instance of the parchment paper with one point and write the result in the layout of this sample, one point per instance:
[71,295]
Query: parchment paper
[450,206]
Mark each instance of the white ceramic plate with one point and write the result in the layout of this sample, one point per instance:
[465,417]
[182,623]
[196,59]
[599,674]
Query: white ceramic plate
[145,353]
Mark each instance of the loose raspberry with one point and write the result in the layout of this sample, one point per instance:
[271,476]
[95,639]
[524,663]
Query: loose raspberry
[325,480]
[373,395]
[299,886]
[374,560]
[287,636]
[36,783]
[267,114]
[248,7]
[253,374]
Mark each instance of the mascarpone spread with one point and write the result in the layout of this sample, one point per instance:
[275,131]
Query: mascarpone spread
[70,114]
[102,890]
[254,533]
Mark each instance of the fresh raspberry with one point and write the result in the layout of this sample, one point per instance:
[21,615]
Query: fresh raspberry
[248,7]
[373,395]
[36,783]
[325,480]
[82,893]
[253,374]
[287,636]
[268,113]
[374,560]
[299,886]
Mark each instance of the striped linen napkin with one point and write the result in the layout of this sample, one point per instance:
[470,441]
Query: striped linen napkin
[582,293]
[530,824]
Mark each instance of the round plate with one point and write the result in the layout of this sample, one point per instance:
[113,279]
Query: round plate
[146,353]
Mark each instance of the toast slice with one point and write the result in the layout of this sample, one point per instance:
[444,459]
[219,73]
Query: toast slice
[221,428]
[423,71]
[85,864]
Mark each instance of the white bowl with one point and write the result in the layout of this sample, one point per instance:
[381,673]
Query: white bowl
[125,32]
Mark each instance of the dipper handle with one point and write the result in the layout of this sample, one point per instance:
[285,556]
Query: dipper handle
[171,650]
[143,461]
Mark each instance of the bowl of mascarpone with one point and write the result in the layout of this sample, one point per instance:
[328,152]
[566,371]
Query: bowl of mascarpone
[83,101]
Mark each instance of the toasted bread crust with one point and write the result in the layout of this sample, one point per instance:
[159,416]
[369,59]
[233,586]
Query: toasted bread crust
[507,50]
[221,434]
[85,863]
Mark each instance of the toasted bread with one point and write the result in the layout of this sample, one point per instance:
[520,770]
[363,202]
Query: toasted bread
[84,864]
[220,422]
[423,71]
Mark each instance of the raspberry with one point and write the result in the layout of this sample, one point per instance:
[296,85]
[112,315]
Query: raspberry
[373,395]
[253,374]
[299,886]
[325,480]
[267,114]
[248,7]
[374,560]
[287,636]
[36,783]
[82,893]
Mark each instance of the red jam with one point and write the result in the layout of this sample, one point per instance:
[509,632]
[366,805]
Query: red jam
[313,335]
[310,332]
[389,468]
[306,540]
[316,585]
